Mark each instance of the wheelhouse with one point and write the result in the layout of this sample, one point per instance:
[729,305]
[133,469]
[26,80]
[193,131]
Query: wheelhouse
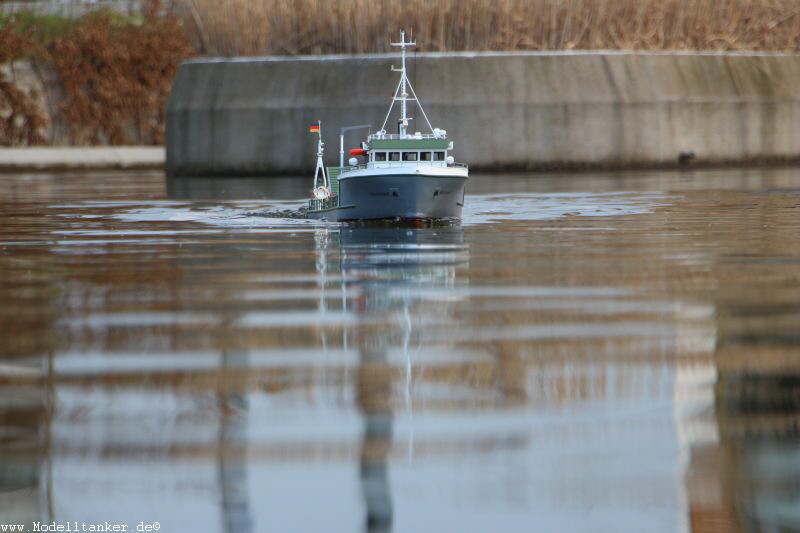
[383,156]
[413,150]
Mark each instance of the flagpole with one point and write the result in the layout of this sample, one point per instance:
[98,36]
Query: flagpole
[320,165]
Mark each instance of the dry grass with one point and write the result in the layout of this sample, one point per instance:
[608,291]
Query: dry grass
[255,27]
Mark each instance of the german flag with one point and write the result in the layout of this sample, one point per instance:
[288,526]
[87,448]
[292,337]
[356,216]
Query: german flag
[314,128]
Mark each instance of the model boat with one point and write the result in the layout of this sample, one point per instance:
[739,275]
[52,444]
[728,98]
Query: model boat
[398,176]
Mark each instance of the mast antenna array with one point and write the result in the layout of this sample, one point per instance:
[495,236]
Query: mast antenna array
[401,94]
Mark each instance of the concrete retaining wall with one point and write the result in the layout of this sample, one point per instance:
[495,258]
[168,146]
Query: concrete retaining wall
[503,110]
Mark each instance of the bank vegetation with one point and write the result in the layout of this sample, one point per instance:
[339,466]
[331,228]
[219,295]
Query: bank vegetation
[111,72]
[103,78]
[265,27]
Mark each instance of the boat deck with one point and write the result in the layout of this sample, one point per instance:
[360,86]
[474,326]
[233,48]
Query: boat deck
[328,203]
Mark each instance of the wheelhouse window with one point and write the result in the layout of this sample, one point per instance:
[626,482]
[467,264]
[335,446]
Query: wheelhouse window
[394,156]
[425,156]
[380,156]
[438,156]
[409,156]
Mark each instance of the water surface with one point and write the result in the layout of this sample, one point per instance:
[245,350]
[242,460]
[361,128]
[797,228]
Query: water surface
[595,352]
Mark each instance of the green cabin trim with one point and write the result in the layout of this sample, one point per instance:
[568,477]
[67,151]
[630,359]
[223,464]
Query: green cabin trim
[333,177]
[409,144]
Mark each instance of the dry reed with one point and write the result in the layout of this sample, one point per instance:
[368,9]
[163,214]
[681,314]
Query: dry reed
[255,27]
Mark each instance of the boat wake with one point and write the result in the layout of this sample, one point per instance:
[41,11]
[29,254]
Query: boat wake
[492,208]
[289,214]
[479,209]
[231,215]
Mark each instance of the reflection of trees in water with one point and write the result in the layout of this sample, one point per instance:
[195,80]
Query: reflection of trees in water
[25,419]
[28,315]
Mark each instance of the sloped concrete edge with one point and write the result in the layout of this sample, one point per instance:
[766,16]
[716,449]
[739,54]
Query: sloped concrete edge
[63,158]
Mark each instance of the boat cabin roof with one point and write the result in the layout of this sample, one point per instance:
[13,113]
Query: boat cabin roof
[409,144]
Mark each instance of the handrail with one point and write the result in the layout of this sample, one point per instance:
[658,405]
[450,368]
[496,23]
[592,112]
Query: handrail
[406,137]
[400,164]
[315,204]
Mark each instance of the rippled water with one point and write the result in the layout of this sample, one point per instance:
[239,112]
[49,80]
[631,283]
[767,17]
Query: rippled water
[600,352]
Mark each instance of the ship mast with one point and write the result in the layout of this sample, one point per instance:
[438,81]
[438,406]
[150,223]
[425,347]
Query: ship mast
[403,97]
[402,94]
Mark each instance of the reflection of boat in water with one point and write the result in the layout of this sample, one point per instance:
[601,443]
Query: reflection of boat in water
[418,255]
[404,175]
[379,266]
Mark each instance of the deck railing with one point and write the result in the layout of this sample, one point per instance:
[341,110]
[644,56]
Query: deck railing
[406,137]
[326,203]
[400,164]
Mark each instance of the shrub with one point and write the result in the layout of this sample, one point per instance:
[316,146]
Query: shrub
[21,120]
[117,75]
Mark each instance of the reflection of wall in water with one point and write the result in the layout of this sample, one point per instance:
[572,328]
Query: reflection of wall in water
[758,410]
[625,349]
[233,188]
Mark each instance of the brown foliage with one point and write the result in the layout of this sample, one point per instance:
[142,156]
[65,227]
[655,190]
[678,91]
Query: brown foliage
[21,120]
[251,27]
[116,77]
